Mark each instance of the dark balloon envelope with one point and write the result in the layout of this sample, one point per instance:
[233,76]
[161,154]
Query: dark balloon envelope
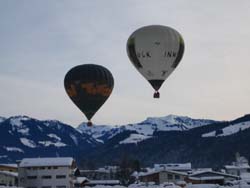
[89,86]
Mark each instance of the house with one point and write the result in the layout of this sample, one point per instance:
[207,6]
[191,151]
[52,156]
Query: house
[239,167]
[8,178]
[210,177]
[46,172]
[8,174]
[162,176]
[8,167]
[82,182]
[105,173]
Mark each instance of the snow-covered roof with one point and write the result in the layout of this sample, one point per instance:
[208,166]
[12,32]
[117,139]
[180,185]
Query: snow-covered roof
[213,172]
[9,165]
[205,186]
[100,170]
[245,166]
[207,178]
[201,169]
[103,182]
[173,166]
[245,176]
[56,161]
[80,180]
[158,171]
[7,173]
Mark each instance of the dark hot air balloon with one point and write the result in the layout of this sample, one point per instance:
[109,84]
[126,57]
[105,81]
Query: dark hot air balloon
[89,86]
[155,51]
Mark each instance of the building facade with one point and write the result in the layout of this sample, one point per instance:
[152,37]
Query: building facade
[239,168]
[8,178]
[105,173]
[163,176]
[46,172]
[211,177]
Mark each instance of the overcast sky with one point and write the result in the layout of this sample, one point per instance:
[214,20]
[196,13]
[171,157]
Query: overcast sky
[41,40]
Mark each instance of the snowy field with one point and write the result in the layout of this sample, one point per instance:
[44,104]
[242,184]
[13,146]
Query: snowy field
[175,186]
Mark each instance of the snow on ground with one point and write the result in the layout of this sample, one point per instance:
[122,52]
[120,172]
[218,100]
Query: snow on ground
[232,129]
[47,143]
[17,120]
[98,140]
[14,149]
[24,131]
[210,134]
[106,186]
[170,185]
[54,136]
[28,142]
[95,131]
[119,186]
[152,185]
[17,124]
[134,138]
[144,129]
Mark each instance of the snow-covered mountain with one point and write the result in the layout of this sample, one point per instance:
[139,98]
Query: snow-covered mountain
[164,139]
[97,131]
[181,145]
[24,136]
[227,131]
[145,129]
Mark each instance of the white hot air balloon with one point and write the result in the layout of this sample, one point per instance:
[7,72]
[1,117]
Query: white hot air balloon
[155,51]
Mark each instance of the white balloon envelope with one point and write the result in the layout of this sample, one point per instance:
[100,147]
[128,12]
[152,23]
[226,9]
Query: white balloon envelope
[155,51]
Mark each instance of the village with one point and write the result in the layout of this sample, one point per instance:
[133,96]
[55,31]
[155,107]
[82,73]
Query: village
[62,172]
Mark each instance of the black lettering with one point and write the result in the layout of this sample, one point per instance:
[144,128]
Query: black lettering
[143,54]
[164,72]
[148,55]
[170,54]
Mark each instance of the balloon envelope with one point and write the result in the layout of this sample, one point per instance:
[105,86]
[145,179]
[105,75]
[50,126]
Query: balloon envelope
[155,51]
[89,86]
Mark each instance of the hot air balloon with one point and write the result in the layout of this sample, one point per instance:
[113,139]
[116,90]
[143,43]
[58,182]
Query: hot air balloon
[155,51]
[89,86]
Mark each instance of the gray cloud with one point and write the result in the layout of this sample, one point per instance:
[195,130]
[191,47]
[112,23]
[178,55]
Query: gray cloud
[42,40]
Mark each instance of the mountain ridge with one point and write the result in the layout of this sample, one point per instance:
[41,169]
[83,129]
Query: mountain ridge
[146,127]
[156,139]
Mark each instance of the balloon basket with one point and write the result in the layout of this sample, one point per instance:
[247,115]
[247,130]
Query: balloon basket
[156,95]
[89,124]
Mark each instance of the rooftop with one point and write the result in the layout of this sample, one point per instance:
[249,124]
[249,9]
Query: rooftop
[173,166]
[9,165]
[56,161]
